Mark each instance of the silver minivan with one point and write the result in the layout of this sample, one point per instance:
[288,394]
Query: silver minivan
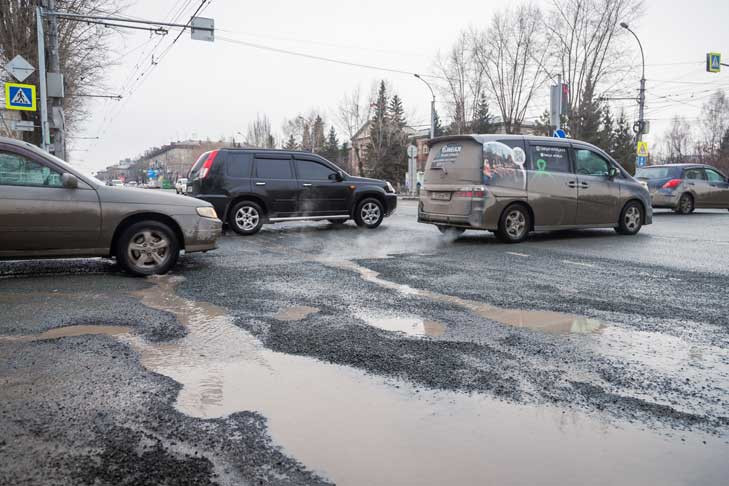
[514,184]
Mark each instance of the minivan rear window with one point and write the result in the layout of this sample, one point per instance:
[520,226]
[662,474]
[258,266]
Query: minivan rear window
[550,158]
[454,162]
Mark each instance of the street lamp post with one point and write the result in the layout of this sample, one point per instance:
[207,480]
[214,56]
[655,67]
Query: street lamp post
[432,106]
[641,98]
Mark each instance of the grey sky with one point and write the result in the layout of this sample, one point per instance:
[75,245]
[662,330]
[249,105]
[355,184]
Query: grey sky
[211,90]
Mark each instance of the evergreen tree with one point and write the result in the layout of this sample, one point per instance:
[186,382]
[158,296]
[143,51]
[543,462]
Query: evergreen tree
[396,113]
[544,126]
[623,149]
[330,150]
[291,143]
[438,131]
[306,140]
[586,125]
[397,143]
[377,146]
[606,136]
[482,119]
[317,134]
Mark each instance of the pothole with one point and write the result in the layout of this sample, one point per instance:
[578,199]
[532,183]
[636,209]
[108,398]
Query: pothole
[69,331]
[545,321]
[357,428]
[408,325]
[297,313]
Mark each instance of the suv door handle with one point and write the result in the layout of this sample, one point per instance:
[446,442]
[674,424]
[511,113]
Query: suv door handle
[691,184]
[260,183]
[584,185]
[571,184]
[306,185]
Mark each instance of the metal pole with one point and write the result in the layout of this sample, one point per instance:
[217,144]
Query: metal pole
[558,120]
[432,106]
[641,98]
[45,134]
[54,65]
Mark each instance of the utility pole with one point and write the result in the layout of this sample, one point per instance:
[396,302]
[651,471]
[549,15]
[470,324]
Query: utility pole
[432,106]
[641,97]
[45,133]
[54,66]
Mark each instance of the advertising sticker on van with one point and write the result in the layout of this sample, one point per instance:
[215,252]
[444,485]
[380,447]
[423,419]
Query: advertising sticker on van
[447,154]
[503,166]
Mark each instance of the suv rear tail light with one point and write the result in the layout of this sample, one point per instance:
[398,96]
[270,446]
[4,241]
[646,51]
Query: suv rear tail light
[205,170]
[672,184]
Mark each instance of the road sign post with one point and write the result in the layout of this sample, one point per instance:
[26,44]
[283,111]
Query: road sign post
[713,62]
[412,168]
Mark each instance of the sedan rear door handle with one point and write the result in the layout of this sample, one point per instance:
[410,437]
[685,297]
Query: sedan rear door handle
[260,183]
[584,185]
[571,184]
[306,185]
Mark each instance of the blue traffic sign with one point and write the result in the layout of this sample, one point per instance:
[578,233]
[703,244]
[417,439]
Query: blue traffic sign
[559,133]
[151,173]
[20,97]
[640,161]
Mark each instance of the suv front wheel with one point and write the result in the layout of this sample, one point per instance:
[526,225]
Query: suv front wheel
[369,213]
[246,218]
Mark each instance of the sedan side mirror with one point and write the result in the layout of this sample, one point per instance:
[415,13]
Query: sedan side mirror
[69,181]
[613,172]
[337,176]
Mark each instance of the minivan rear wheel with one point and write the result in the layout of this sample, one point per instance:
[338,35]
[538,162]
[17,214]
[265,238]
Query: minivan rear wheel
[514,224]
[246,218]
[369,213]
[147,248]
[631,219]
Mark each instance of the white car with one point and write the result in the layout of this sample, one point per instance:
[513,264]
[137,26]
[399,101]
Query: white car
[117,183]
[181,185]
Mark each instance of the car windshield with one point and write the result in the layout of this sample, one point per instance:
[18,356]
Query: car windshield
[655,172]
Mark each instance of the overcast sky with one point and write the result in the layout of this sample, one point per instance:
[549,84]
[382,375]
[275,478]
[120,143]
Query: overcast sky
[201,89]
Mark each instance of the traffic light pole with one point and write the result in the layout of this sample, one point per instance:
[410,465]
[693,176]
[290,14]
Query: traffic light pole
[45,133]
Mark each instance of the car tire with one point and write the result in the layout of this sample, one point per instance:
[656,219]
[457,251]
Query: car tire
[147,248]
[514,224]
[369,213]
[631,219]
[246,218]
[450,230]
[685,204]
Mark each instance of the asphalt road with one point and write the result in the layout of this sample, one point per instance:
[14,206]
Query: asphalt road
[314,354]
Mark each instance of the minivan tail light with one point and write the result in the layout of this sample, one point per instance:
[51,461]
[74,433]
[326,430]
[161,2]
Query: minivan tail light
[470,192]
[672,184]
[205,170]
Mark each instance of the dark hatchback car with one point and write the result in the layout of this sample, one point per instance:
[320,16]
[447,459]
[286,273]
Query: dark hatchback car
[250,187]
[685,187]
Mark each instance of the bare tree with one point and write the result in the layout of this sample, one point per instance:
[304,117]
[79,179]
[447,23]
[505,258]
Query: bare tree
[714,123]
[511,52]
[585,41]
[307,130]
[353,112]
[83,50]
[259,133]
[677,140]
[463,81]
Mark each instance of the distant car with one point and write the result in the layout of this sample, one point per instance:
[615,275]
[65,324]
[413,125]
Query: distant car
[514,184]
[685,187]
[131,184]
[49,209]
[250,187]
[117,183]
[181,185]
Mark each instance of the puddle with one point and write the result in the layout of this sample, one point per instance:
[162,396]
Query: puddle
[545,321]
[410,326]
[355,428]
[297,313]
[69,331]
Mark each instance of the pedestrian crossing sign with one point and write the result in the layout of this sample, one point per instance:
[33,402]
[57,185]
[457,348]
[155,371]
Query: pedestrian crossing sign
[642,149]
[20,97]
[713,62]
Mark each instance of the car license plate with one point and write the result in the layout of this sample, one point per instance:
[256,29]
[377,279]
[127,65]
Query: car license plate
[441,196]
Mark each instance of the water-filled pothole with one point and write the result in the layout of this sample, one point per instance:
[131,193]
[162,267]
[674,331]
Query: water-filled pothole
[356,428]
[545,321]
[408,325]
[69,331]
[296,313]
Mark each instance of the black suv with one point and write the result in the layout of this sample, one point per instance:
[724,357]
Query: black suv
[250,187]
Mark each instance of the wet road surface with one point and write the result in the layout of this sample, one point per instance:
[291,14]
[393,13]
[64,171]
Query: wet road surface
[312,354]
